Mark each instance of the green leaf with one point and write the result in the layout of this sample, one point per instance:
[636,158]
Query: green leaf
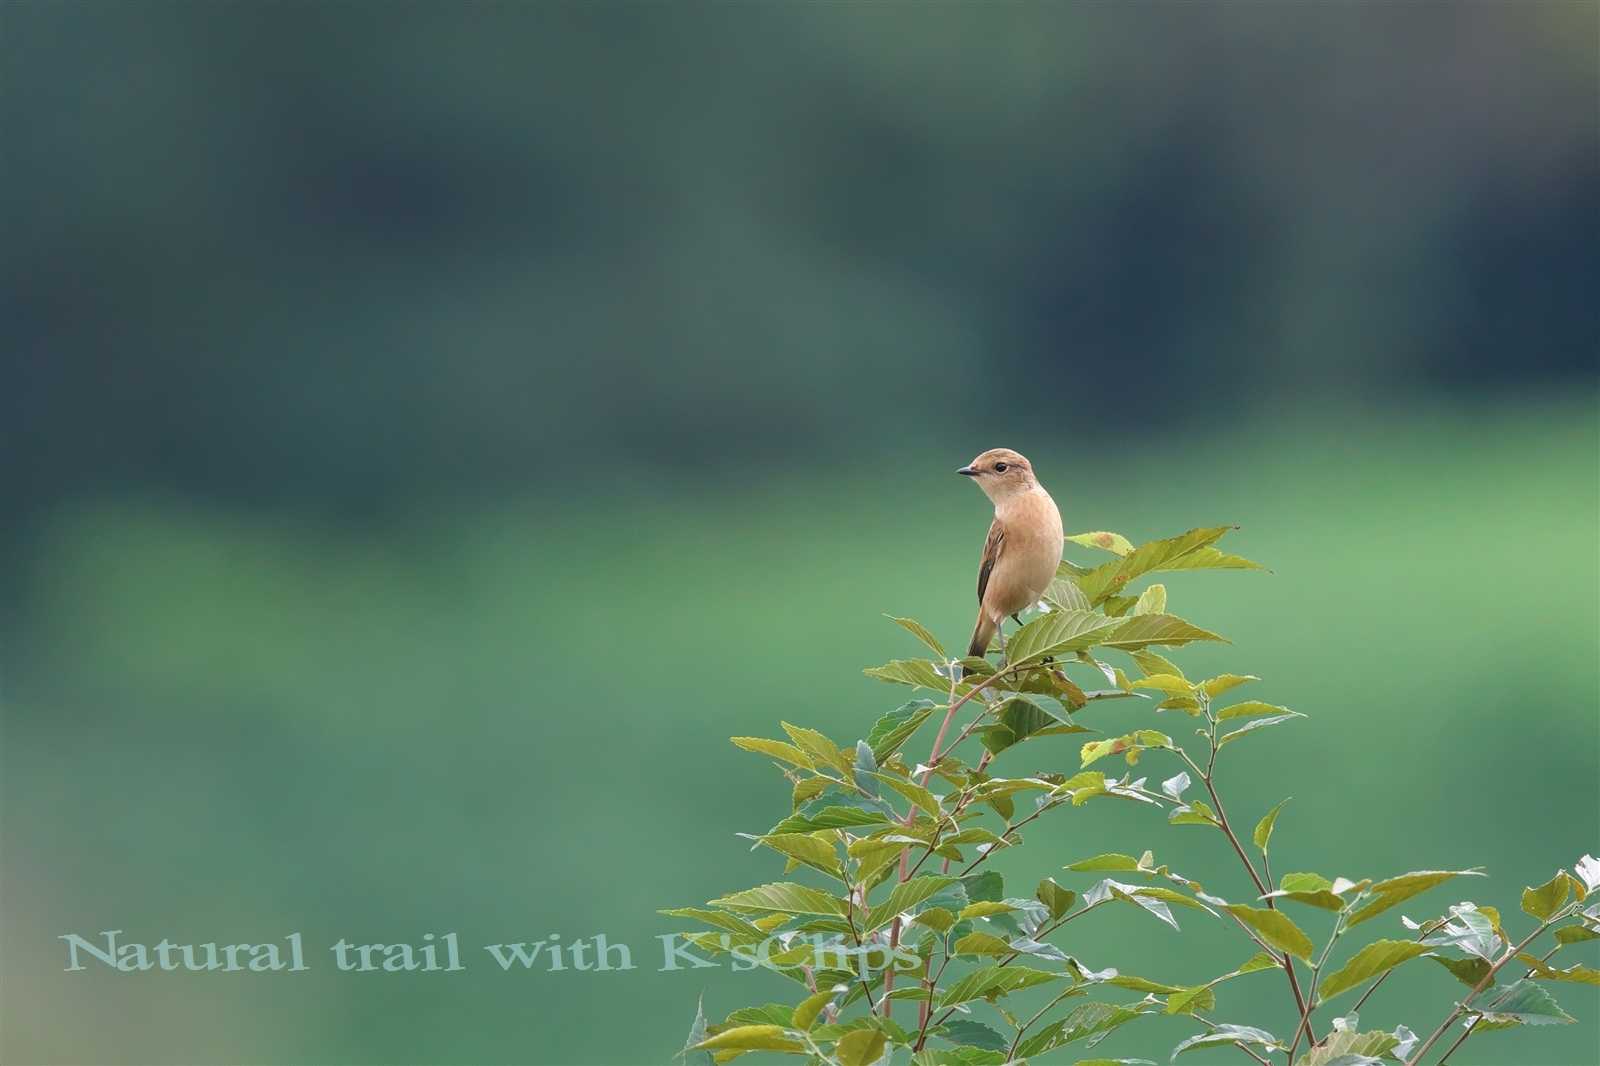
[1083,1020]
[1577,973]
[808,1009]
[808,849]
[981,944]
[1216,686]
[1108,861]
[860,1047]
[1376,958]
[1249,709]
[1397,890]
[783,897]
[1059,633]
[990,981]
[1128,745]
[837,817]
[1194,812]
[896,727]
[1151,664]
[1263,834]
[1574,934]
[1257,723]
[1227,1034]
[777,749]
[905,896]
[1110,578]
[1545,900]
[1065,595]
[919,796]
[1115,543]
[818,746]
[1468,971]
[1021,718]
[1059,900]
[1346,1047]
[1308,888]
[1147,630]
[751,1038]
[916,672]
[1170,684]
[1527,1003]
[974,1034]
[1275,928]
[1152,600]
[918,630]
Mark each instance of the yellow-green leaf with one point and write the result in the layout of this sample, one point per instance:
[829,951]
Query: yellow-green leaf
[751,1038]
[1545,900]
[1275,928]
[1376,958]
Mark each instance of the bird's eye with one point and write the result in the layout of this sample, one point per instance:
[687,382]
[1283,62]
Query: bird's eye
[1000,468]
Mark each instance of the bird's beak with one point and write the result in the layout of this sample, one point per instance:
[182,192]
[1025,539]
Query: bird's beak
[968,471]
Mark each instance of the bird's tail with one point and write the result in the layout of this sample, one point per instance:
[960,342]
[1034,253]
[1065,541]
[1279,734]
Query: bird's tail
[982,634]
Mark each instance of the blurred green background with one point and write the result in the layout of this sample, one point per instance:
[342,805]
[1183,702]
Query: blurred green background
[431,430]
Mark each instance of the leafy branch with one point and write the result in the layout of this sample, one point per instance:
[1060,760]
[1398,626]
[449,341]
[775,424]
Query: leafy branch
[867,922]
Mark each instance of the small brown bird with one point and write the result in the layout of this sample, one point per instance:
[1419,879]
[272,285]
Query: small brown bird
[1024,546]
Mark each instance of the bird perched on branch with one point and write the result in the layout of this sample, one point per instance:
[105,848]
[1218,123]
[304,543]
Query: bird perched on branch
[1024,546]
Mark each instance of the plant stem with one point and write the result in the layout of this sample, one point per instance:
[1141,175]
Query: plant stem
[1311,990]
[1284,959]
[1467,1031]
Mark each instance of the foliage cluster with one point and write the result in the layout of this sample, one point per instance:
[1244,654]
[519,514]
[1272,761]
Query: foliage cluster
[906,914]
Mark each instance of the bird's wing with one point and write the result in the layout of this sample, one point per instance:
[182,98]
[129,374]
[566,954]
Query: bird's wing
[992,548]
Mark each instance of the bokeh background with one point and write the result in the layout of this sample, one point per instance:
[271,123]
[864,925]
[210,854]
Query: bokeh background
[431,430]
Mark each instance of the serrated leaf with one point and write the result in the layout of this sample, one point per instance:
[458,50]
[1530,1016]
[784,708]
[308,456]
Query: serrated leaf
[920,631]
[1059,633]
[777,749]
[818,746]
[918,795]
[1193,813]
[1263,832]
[991,981]
[1147,630]
[1396,890]
[1083,1020]
[1110,578]
[1346,1047]
[974,1034]
[977,943]
[1527,1003]
[808,849]
[905,896]
[1574,934]
[833,817]
[1171,684]
[1376,958]
[916,672]
[1275,928]
[1249,709]
[896,727]
[782,896]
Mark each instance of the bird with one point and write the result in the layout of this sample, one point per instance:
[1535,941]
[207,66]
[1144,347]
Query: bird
[1023,549]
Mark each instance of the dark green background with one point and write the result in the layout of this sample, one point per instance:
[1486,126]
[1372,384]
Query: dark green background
[432,430]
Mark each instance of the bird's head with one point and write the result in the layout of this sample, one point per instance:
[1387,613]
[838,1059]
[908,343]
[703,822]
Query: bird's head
[1000,472]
